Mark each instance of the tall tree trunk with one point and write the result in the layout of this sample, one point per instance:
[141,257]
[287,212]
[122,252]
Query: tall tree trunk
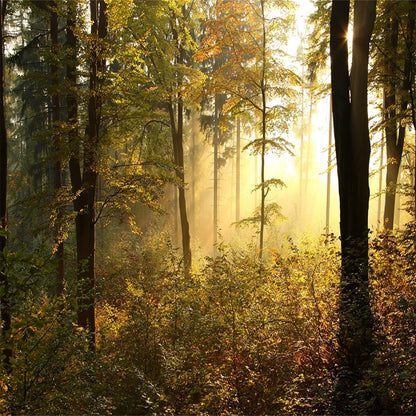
[308,143]
[352,143]
[84,184]
[215,145]
[301,150]
[263,86]
[176,125]
[193,165]
[238,171]
[380,182]
[328,175]
[176,214]
[60,277]
[395,105]
[72,109]
[394,139]
[177,141]
[4,280]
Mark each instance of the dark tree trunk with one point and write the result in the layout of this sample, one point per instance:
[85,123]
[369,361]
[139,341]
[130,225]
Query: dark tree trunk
[177,141]
[72,105]
[84,184]
[57,146]
[176,125]
[394,131]
[353,153]
[4,280]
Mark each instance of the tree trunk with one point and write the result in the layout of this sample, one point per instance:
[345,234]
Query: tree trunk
[84,185]
[215,145]
[193,165]
[301,150]
[237,171]
[6,317]
[308,143]
[380,182]
[177,141]
[176,125]
[263,132]
[353,153]
[328,175]
[60,277]
[394,134]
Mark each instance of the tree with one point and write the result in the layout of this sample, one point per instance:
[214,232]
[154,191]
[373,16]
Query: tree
[31,127]
[4,281]
[394,31]
[84,180]
[164,35]
[177,128]
[253,77]
[237,170]
[350,115]
[56,116]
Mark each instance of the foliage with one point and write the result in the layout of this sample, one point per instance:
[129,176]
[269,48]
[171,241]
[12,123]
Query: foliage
[393,283]
[237,337]
[51,367]
[232,339]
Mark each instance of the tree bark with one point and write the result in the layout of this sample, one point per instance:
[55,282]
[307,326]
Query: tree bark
[177,141]
[215,145]
[60,277]
[328,175]
[353,153]
[176,125]
[237,171]
[263,86]
[394,131]
[84,184]
[6,316]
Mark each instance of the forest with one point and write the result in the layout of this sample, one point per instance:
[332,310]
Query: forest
[208,207]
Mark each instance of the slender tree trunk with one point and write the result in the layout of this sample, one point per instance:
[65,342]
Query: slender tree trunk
[394,149]
[57,147]
[72,110]
[177,141]
[394,130]
[215,145]
[353,152]
[262,179]
[263,133]
[193,164]
[256,172]
[328,175]
[238,171]
[176,214]
[301,150]
[392,175]
[398,202]
[176,124]
[6,316]
[308,144]
[380,182]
